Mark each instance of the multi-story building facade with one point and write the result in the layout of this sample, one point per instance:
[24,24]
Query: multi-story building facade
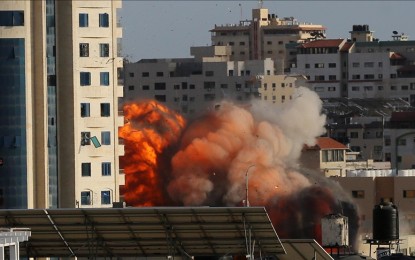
[368,191]
[196,85]
[265,36]
[363,67]
[59,67]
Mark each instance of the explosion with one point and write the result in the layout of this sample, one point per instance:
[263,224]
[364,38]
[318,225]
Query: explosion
[210,162]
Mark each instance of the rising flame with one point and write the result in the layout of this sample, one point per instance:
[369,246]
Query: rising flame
[212,160]
[150,129]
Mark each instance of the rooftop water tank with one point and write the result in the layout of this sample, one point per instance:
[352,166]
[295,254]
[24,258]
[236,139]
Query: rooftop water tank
[385,222]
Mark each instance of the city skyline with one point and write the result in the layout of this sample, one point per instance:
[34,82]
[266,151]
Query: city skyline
[149,25]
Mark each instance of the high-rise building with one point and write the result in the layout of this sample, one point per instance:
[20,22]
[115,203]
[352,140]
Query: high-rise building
[265,36]
[60,70]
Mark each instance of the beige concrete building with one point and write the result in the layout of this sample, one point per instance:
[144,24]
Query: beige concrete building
[265,36]
[363,67]
[193,86]
[59,67]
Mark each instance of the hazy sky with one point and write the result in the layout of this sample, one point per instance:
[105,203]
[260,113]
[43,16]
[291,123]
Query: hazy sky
[167,29]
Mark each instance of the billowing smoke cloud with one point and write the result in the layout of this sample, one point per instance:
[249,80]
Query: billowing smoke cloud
[259,144]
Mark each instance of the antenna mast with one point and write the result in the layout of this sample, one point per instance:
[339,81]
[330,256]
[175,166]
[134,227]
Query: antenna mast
[260,3]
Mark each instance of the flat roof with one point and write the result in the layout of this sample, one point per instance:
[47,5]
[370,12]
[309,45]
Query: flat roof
[144,232]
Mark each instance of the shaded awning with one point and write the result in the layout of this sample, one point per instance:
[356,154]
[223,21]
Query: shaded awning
[145,232]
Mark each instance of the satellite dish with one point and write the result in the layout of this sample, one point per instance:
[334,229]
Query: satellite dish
[395,32]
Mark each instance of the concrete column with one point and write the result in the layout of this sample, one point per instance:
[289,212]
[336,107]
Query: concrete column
[1,252]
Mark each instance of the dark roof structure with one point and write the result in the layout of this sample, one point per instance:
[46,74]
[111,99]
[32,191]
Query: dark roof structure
[145,232]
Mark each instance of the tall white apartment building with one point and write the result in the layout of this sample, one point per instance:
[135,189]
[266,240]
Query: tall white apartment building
[265,36]
[59,67]
[363,67]
[196,85]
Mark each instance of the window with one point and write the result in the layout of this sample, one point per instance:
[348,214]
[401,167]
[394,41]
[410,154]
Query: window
[86,198]
[184,85]
[105,138]
[223,85]
[394,88]
[86,169]
[105,197]
[332,155]
[176,86]
[332,77]
[354,135]
[209,97]
[105,109]
[131,74]
[159,86]
[282,99]
[380,64]
[331,89]
[369,76]
[146,87]
[358,194]
[104,50]
[368,64]
[269,42]
[402,142]
[319,77]
[319,65]
[145,74]
[380,87]
[120,76]
[85,78]
[230,72]
[104,78]
[242,43]
[11,18]
[83,20]
[103,20]
[380,76]
[161,98]
[355,65]
[85,110]
[307,65]
[85,138]
[209,73]
[131,87]
[409,193]
[405,87]
[192,86]
[84,50]
[280,42]
[355,76]
[332,65]
[209,85]
[393,76]
[106,169]
[387,141]
[368,88]
[160,74]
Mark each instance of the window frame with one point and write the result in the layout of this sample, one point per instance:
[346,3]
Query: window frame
[104,78]
[104,20]
[86,169]
[82,22]
[106,169]
[106,137]
[85,78]
[105,199]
